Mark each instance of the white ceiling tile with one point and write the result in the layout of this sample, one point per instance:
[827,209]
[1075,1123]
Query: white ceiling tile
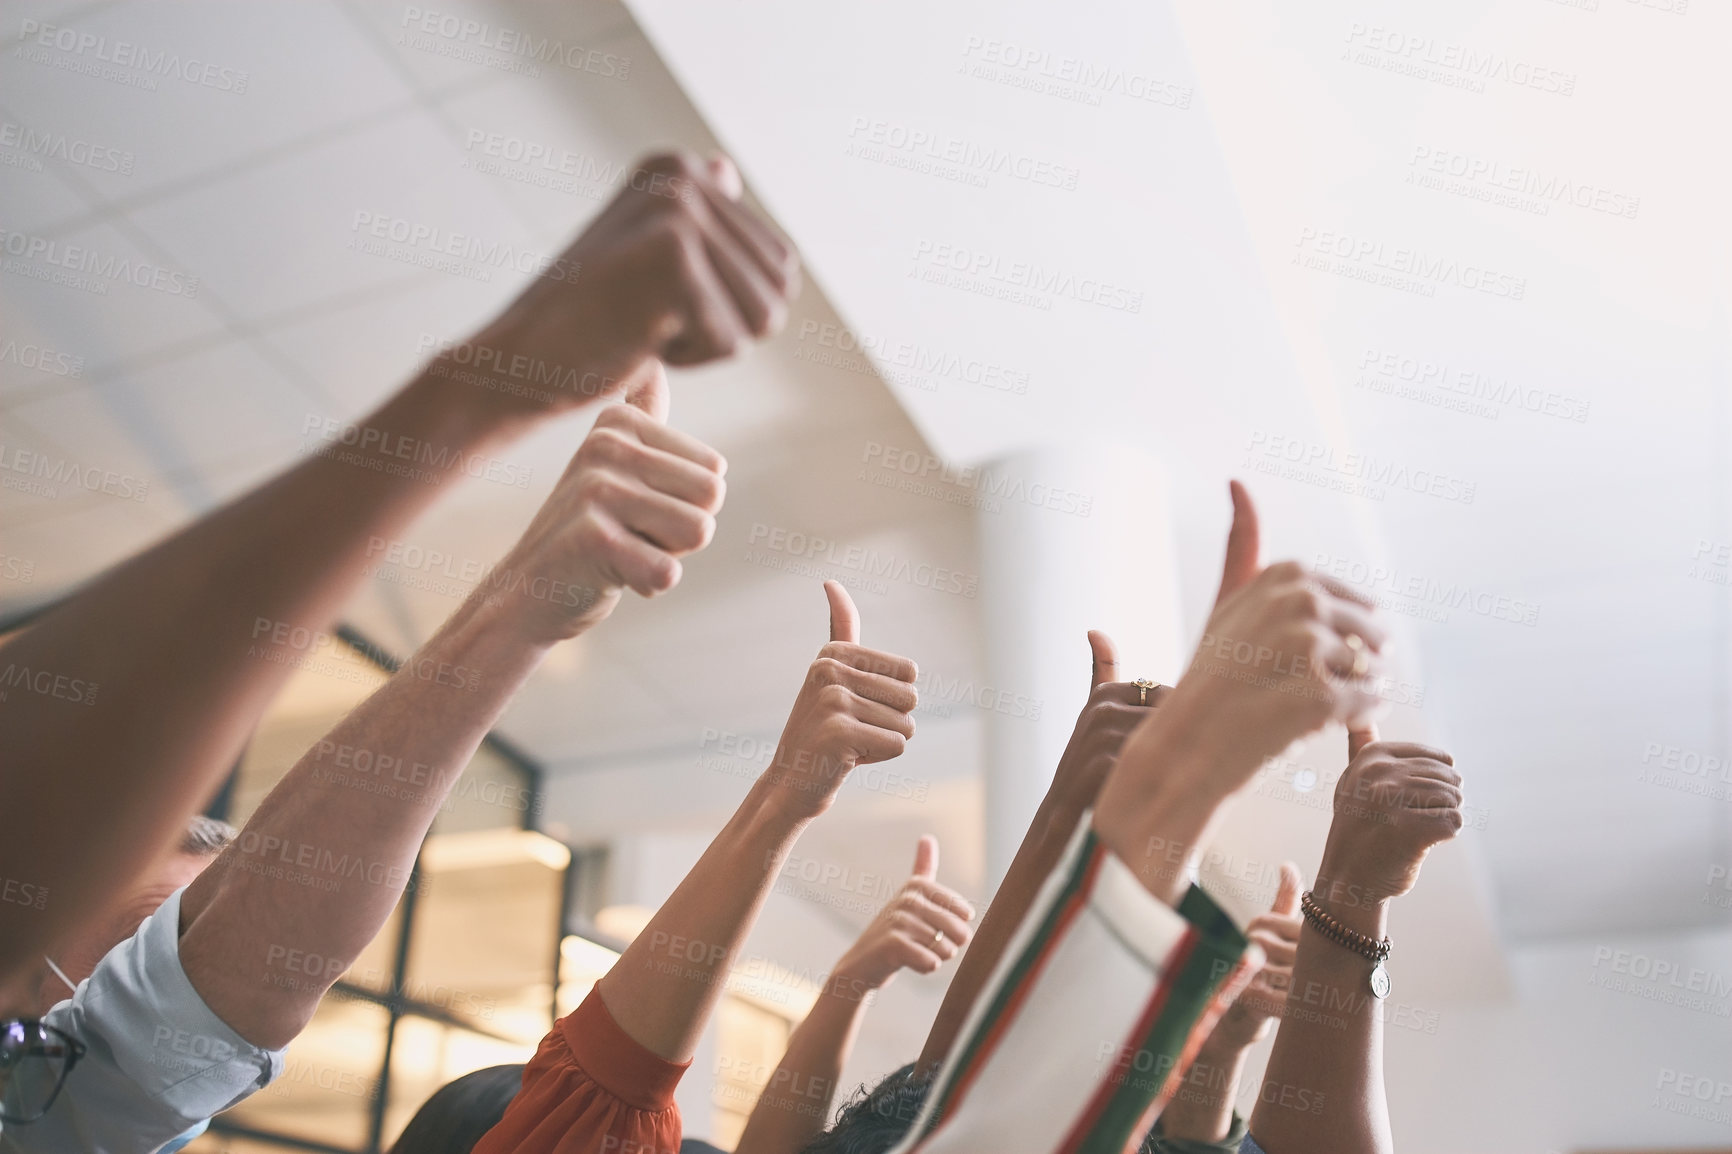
[301,230]
[175,419]
[107,297]
[469,40]
[36,196]
[262,75]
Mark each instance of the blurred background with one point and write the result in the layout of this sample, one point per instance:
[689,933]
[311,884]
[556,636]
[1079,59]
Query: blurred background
[1444,284]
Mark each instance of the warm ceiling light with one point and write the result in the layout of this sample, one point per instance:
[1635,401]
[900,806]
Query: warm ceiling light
[624,922]
[478,849]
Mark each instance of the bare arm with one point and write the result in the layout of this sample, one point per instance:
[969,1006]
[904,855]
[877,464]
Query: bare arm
[322,863]
[1151,957]
[165,663]
[1323,1088]
[795,1106]
[924,925]
[853,708]
[1112,711]
[183,646]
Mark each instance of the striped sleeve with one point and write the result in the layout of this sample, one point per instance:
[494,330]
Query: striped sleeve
[1103,994]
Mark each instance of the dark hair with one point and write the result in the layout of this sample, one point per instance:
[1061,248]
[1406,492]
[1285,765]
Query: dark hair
[453,1120]
[875,1120]
[206,836]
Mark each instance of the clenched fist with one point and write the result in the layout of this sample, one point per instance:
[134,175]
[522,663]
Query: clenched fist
[855,707]
[921,928]
[636,498]
[1394,802]
[674,268]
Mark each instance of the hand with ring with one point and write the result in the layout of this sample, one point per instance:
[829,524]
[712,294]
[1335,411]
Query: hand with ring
[1114,708]
[922,927]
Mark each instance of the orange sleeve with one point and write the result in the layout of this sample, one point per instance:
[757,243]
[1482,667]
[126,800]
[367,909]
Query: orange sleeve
[591,1089]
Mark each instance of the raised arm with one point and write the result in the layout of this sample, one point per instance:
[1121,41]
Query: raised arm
[854,708]
[919,929]
[1394,802]
[320,866]
[1113,709]
[1120,968]
[165,663]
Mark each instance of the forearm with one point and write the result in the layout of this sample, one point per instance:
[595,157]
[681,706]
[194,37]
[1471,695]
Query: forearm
[1329,1049]
[1201,1109]
[664,987]
[795,1105]
[1039,853]
[181,648]
[323,861]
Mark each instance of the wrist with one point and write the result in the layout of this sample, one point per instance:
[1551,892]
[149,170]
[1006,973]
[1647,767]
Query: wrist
[803,776]
[853,979]
[1226,1053]
[1060,811]
[1349,897]
[482,638]
[536,608]
[1157,840]
[446,400]
[1156,808]
[776,808]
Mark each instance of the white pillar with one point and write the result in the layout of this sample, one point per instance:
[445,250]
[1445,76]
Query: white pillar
[1047,577]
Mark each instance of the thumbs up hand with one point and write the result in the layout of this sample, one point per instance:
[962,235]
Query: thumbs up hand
[855,706]
[1265,998]
[1112,711]
[1394,801]
[636,497]
[1284,652]
[922,927]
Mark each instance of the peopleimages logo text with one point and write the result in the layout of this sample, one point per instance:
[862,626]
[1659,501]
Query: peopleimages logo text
[1403,261]
[125,54]
[461,246]
[106,266]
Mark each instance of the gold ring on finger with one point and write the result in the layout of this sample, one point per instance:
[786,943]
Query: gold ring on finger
[1361,662]
[1143,685]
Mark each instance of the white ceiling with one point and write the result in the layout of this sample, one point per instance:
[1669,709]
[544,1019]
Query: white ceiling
[1204,207]
[1197,208]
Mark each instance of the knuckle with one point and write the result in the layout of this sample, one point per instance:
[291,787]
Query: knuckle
[1303,601]
[836,698]
[712,489]
[775,316]
[663,574]
[610,420]
[591,533]
[600,487]
[695,531]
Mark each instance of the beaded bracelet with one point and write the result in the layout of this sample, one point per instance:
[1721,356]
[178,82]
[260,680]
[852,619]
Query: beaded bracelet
[1371,949]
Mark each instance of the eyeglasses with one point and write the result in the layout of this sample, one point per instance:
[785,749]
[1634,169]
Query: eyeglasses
[34,1061]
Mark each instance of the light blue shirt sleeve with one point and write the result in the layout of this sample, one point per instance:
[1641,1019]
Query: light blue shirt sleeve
[159,1060]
